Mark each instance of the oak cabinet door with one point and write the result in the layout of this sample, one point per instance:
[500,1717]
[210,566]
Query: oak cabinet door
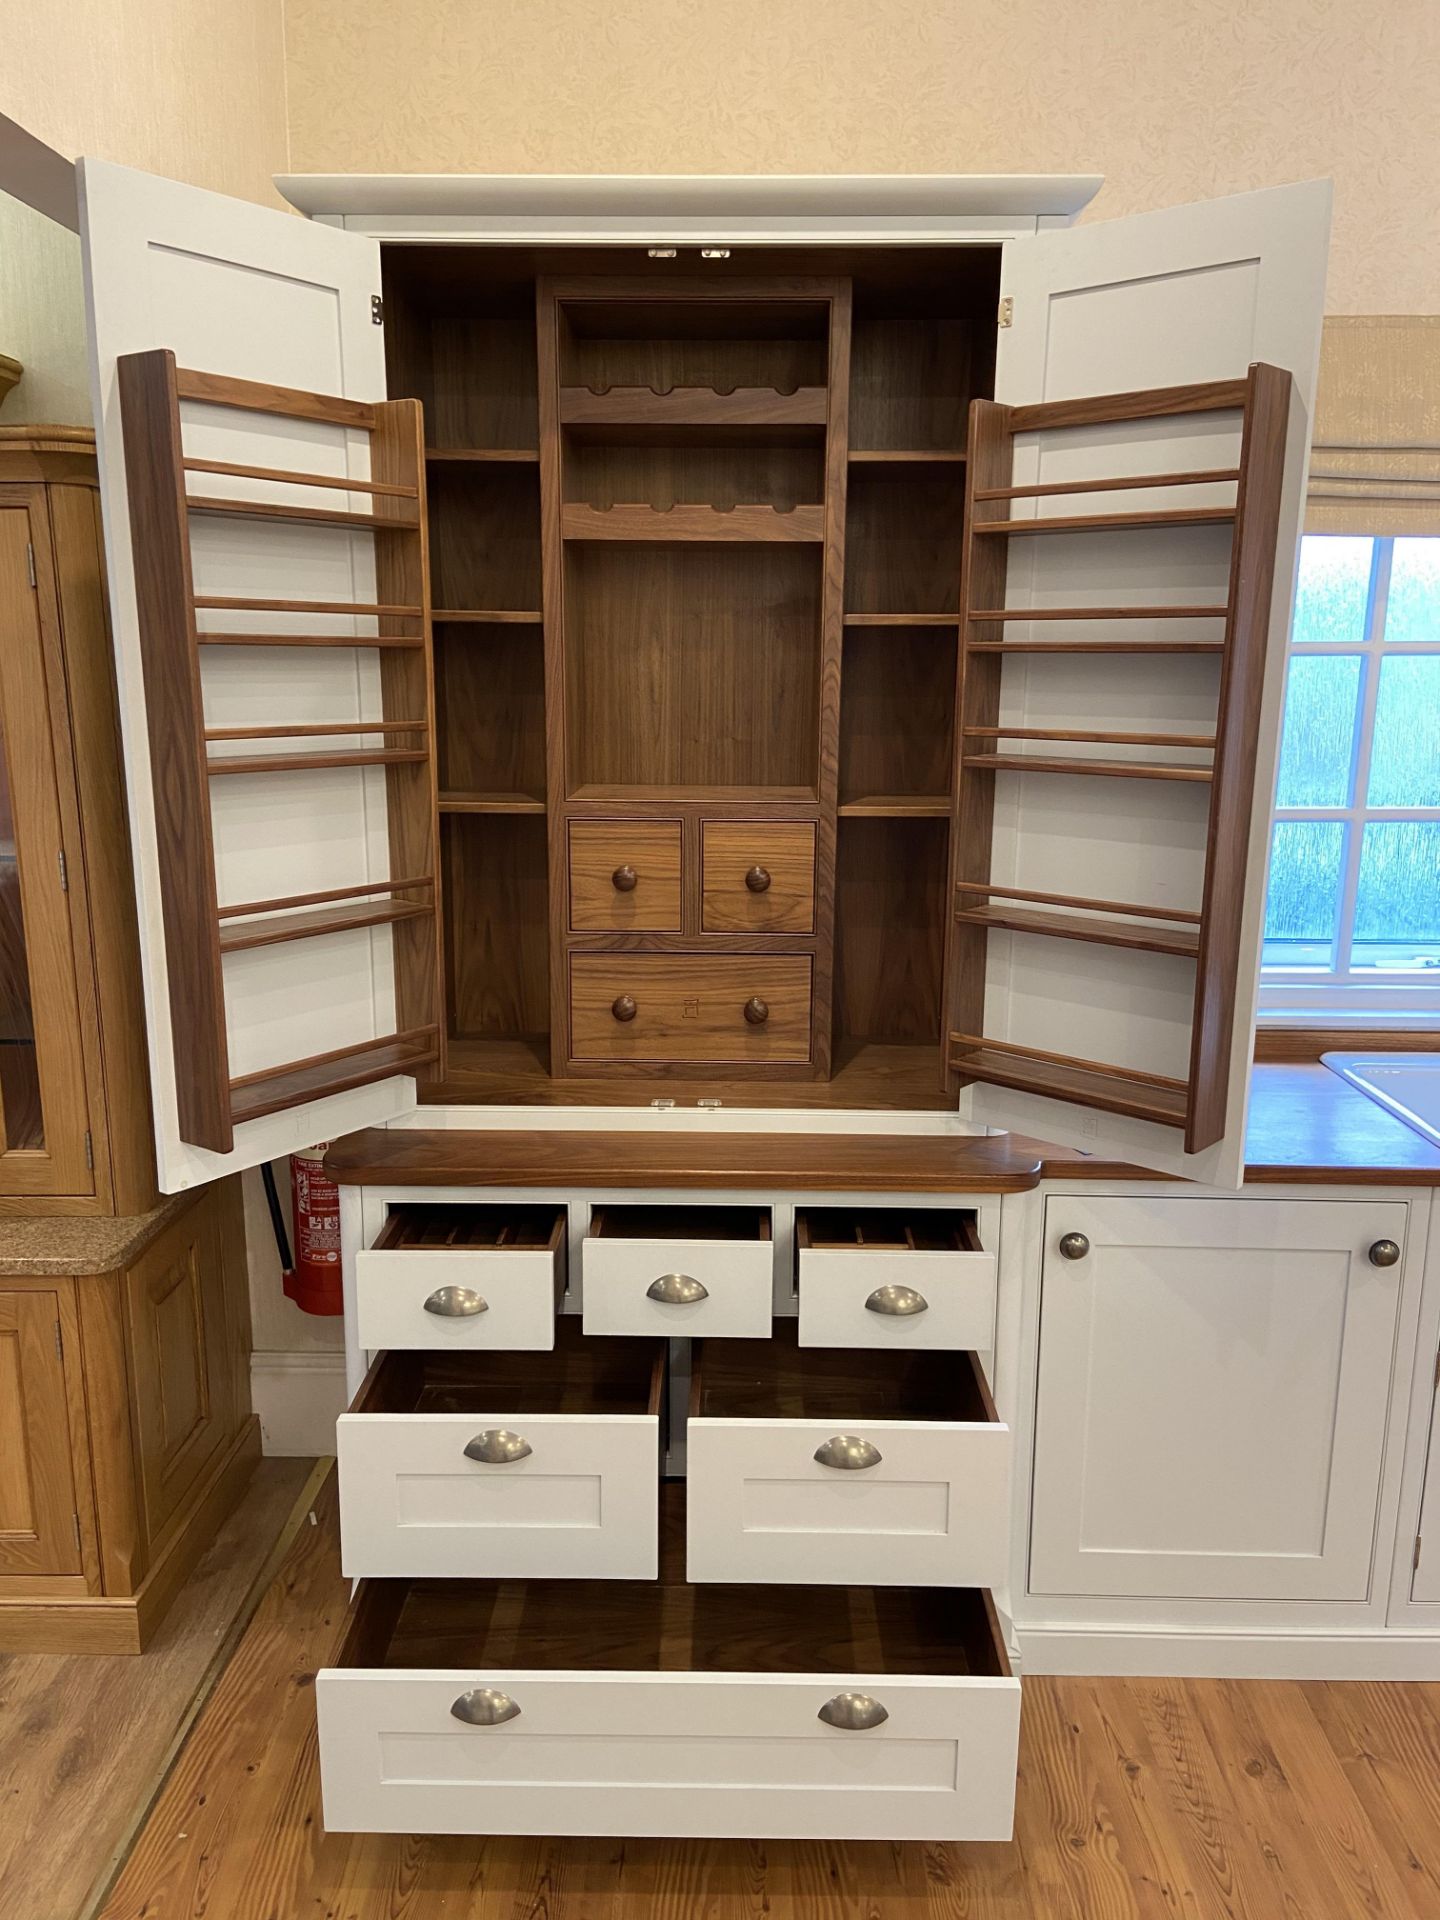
[1213,1391]
[39,1529]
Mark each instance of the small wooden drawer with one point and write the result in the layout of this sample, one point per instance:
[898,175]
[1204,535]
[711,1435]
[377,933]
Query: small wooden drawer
[679,1271]
[505,1467]
[871,1277]
[653,1708]
[732,1009]
[625,876]
[884,1467]
[757,876]
[462,1276]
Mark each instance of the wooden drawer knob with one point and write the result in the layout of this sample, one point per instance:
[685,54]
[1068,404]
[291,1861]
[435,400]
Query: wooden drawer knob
[756,1011]
[758,880]
[625,879]
[623,1006]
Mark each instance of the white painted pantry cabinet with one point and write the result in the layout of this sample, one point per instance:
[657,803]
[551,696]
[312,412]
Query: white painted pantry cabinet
[549,1636]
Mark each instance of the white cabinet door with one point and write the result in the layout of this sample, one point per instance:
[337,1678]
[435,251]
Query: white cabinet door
[1212,1397]
[1160,300]
[255,294]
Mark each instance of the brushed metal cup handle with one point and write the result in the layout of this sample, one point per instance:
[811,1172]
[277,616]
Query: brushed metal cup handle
[758,879]
[1385,1253]
[485,1707]
[625,879]
[1073,1246]
[853,1712]
[899,1302]
[849,1454]
[456,1303]
[677,1290]
[498,1447]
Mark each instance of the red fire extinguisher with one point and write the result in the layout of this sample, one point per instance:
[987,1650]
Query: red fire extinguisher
[312,1277]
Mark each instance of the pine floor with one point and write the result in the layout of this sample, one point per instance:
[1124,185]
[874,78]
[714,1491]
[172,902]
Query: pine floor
[86,1740]
[1181,1800]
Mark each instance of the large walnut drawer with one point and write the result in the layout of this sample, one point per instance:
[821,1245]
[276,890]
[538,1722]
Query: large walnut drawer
[732,1008]
[629,1708]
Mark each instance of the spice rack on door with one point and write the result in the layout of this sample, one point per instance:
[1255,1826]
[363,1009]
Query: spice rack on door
[400,738]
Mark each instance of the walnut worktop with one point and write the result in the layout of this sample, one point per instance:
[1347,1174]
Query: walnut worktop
[1307,1126]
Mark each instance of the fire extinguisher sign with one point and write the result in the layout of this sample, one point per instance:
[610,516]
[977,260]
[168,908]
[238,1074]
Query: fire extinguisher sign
[315,1283]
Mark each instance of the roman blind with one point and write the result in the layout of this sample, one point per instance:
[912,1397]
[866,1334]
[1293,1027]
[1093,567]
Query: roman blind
[1375,461]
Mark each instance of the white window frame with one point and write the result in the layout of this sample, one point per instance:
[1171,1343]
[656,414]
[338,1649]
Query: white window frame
[1346,994]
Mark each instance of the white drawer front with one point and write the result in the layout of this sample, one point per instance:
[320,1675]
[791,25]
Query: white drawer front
[518,1289]
[957,1291]
[582,1503]
[712,1755]
[737,1276]
[933,1511]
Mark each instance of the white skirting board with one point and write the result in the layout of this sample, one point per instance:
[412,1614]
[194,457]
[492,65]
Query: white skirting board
[299,1397]
[1164,1653]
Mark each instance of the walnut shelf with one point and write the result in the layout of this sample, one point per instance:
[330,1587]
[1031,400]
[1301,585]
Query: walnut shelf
[495,456]
[896,806]
[1109,522]
[691,522]
[1089,927]
[278,1088]
[303,516]
[239,936]
[695,410]
[1087,1083]
[1100,769]
[462,802]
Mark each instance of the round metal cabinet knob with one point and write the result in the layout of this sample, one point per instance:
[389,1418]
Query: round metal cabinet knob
[1385,1253]
[853,1712]
[625,879]
[485,1707]
[848,1453]
[456,1303]
[758,880]
[623,1007]
[498,1447]
[677,1290]
[1073,1246]
[900,1302]
[757,1011]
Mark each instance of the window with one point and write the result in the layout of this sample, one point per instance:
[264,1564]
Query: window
[1352,923]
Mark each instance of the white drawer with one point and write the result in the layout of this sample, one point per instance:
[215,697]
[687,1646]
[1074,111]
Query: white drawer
[462,1276]
[923,1500]
[679,1271]
[651,1709]
[871,1277]
[491,1466]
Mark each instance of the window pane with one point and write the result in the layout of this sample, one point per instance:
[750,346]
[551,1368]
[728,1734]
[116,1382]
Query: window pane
[1405,756]
[1315,748]
[1412,609]
[1333,590]
[1397,904]
[1304,898]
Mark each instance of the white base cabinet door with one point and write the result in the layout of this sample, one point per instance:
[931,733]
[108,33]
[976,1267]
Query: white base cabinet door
[1212,1396]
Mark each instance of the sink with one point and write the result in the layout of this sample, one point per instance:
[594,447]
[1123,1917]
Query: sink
[1405,1084]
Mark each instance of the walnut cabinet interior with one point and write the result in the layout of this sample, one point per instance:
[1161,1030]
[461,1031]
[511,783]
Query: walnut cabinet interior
[689,801]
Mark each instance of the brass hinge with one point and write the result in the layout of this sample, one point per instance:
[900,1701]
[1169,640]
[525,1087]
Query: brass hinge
[1415,1561]
[1006,316]
[89,1150]
[30,563]
[64,871]
[377,310]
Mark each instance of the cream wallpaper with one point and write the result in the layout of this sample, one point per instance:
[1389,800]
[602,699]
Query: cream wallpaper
[1171,99]
[192,88]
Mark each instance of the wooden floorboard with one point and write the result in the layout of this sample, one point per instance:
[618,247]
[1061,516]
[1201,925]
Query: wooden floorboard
[85,1740]
[1138,1800]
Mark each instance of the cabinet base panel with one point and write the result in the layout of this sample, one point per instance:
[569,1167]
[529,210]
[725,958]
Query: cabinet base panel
[126,1623]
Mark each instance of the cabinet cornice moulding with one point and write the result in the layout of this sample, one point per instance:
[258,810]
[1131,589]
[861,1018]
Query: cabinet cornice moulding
[662,208]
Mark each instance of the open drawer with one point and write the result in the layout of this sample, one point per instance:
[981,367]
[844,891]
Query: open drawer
[893,1277]
[498,1466]
[891,1468]
[453,1275]
[638,1709]
[679,1271]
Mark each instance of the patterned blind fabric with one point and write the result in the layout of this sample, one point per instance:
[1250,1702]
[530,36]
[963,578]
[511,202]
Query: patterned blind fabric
[1375,462]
